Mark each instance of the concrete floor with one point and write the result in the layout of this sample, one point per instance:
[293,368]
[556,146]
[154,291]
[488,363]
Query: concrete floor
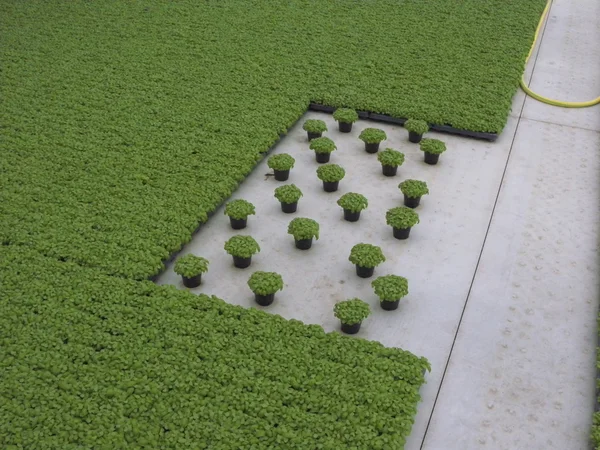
[503,268]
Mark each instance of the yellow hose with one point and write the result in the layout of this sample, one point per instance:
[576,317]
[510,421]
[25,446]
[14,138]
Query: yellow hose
[549,101]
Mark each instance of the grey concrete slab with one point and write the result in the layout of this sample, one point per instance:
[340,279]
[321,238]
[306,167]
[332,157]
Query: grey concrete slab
[521,375]
[439,259]
[568,65]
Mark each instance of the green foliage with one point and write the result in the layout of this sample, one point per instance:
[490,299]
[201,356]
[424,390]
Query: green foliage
[352,311]
[190,265]
[302,228]
[401,217]
[434,146]
[353,202]
[345,115]
[239,209]
[242,246]
[113,160]
[322,145]
[416,126]
[372,135]
[288,193]
[366,255]
[282,161]
[390,157]
[595,435]
[390,287]
[265,283]
[92,361]
[330,172]
[314,126]
[414,188]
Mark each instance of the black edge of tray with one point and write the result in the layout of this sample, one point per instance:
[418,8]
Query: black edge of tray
[400,121]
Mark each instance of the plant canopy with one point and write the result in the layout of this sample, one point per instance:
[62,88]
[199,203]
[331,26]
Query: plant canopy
[352,311]
[265,283]
[390,157]
[242,246]
[282,161]
[302,228]
[366,255]
[414,188]
[190,266]
[288,193]
[330,173]
[401,217]
[372,135]
[353,202]
[239,209]
[390,287]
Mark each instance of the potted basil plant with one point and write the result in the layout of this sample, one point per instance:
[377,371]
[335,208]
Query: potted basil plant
[432,149]
[345,117]
[390,160]
[390,289]
[413,190]
[323,147]
[265,285]
[416,129]
[352,204]
[351,314]
[372,137]
[366,257]
[191,268]
[401,219]
[330,175]
[238,212]
[303,230]
[281,165]
[314,128]
[288,195]
[242,248]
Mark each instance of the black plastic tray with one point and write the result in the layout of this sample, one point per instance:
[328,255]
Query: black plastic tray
[398,121]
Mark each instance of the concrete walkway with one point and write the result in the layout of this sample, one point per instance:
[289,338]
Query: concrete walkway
[521,374]
[503,269]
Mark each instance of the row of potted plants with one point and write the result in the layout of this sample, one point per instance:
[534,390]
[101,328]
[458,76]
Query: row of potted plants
[372,137]
[364,256]
[401,219]
[389,288]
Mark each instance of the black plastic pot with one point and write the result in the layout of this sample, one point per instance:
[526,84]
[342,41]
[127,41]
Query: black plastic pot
[241,263]
[238,224]
[304,244]
[264,300]
[371,148]
[312,136]
[432,158]
[412,202]
[364,272]
[192,282]
[322,157]
[351,329]
[282,175]
[389,305]
[330,186]
[351,216]
[289,207]
[389,171]
[414,137]
[401,233]
[345,127]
